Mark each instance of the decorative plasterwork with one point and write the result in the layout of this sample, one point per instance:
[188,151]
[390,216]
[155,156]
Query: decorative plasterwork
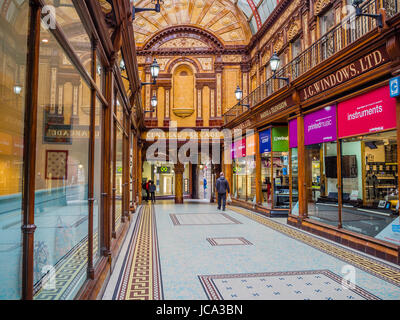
[221,17]
[293,30]
[284,17]
[183,43]
[278,45]
[232,58]
[320,5]
[198,36]
[206,63]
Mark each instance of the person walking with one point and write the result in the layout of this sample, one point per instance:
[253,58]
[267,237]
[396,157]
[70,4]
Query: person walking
[152,189]
[222,189]
[147,190]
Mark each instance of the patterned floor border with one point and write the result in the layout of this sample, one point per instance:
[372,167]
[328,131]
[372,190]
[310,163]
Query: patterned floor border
[368,264]
[68,272]
[212,292]
[140,277]
[243,241]
[176,221]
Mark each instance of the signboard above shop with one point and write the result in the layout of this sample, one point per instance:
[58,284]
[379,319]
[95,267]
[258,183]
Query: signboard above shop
[370,112]
[320,126]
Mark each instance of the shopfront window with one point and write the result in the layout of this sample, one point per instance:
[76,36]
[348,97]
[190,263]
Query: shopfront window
[370,184]
[13,51]
[62,164]
[241,178]
[251,168]
[98,155]
[321,180]
[295,181]
[369,165]
[266,181]
[119,182]
[281,180]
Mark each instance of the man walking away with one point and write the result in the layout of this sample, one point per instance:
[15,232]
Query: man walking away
[222,189]
[152,189]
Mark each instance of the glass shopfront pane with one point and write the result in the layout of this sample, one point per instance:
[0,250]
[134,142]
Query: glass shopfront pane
[295,181]
[251,178]
[97,180]
[281,180]
[321,180]
[241,179]
[62,164]
[266,180]
[119,179]
[71,24]
[13,40]
[99,74]
[370,185]
[234,180]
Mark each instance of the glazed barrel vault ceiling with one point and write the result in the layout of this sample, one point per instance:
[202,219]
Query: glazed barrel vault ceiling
[232,21]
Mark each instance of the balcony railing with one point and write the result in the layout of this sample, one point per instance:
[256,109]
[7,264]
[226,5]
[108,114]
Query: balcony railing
[392,7]
[348,31]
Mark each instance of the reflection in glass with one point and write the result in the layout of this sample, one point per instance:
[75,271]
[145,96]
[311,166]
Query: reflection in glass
[370,185]
[266,181]
[61,199]
[13,39]
[322,192]
[119,179]
[295,182]
[97,180]
[281,180]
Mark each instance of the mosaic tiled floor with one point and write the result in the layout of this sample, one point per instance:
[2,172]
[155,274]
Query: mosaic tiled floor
[301,285]
[141,277]
[233,241]
[164,261]
[202,219]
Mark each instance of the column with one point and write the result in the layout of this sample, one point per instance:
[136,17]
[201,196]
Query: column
[302,168]
[258,169]
[179,168]
[29,165]
[199,100]
[75,103]
[167,104]
[139,169]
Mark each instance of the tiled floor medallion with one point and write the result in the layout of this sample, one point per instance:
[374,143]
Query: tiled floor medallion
[298,285]
[190,219]
[234,241]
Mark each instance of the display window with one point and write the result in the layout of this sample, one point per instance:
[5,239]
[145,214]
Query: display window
[239,169]
[251,168]
[369,165]
[275,168]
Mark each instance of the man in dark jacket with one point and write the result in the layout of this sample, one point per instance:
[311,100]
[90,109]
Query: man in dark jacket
[222,189]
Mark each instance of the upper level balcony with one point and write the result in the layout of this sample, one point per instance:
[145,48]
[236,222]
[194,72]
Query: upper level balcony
[347,32]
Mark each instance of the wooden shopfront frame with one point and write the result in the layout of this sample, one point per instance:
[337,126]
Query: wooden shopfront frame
[102,48]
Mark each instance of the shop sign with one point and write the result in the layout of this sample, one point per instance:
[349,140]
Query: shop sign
[320,126]
[251,145]
[370,112]
[265,141]
[274,109]
[364,64]
[64,133]
[280,139]
[293,133]
[239,149]
[394,85]
[164,169]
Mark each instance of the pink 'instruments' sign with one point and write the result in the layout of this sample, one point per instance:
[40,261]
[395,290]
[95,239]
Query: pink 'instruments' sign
[371,112]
